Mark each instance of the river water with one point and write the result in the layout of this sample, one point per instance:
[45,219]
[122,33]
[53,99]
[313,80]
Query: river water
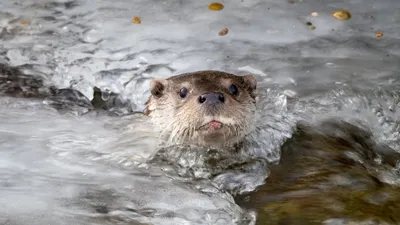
[92,169]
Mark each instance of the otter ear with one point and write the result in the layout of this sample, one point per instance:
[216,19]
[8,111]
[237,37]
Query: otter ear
[251,81]
[157,87]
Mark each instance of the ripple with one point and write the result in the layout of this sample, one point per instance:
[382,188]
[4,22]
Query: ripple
[63,169]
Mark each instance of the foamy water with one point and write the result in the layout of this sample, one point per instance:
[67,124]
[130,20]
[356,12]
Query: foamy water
[56,171]
[63,169]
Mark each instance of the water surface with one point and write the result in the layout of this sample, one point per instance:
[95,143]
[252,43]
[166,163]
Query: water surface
[63,169]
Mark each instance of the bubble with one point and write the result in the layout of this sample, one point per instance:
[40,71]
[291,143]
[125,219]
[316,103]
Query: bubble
[105,94]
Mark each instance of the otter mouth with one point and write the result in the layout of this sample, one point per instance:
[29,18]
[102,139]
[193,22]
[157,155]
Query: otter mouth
[212,125]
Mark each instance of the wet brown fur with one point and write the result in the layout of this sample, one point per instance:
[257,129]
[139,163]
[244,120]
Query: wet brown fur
[181,117]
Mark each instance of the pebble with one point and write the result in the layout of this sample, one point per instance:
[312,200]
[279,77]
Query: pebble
[215,6]
[223,32]
[379,34]
[342,14]
[136,20]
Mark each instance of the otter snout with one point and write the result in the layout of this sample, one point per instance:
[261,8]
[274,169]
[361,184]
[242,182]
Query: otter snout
[211,98]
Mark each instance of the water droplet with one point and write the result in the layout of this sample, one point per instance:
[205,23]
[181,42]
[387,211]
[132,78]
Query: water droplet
[378,160]
[329,65]
[105,94]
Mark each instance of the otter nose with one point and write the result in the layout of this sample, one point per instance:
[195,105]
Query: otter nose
[211,98]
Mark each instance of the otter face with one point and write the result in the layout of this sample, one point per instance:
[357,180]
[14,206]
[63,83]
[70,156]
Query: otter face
[205,108]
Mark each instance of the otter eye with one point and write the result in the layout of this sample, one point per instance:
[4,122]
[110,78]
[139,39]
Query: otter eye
[183,92]
[233,89]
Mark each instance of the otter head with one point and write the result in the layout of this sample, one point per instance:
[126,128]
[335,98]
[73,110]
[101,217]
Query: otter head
[205,108]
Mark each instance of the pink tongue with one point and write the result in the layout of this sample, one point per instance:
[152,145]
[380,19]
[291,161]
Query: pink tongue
[214,124]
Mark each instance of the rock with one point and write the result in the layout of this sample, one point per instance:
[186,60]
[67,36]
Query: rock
[71,96]
[15,83]
[113,102]
[329,171]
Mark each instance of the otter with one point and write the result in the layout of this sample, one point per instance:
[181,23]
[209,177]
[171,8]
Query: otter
[205,108]
[326,171]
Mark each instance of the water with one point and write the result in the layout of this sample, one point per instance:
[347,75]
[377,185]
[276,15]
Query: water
[70,174]
[62,169]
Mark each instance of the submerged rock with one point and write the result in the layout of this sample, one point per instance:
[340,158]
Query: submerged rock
[67,99]
[15,83]
[333,171]
[111,102]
